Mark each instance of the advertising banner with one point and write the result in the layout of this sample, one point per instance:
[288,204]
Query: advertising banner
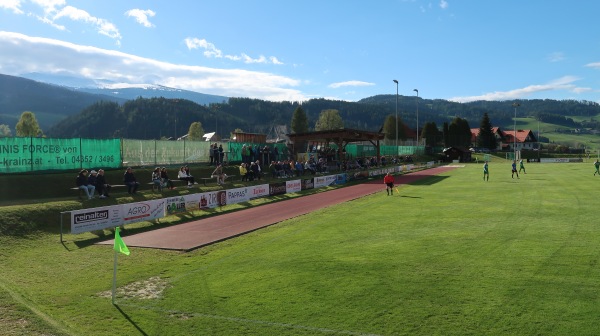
[143,211]
[35,154]
[340,179]
[95,219]
[324,181]
[307,184]
[293,186]
[237,195]
[258,191]
[210,200]
[277,188]
[175,205]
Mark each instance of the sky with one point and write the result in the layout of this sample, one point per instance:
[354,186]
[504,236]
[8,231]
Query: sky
[459,50]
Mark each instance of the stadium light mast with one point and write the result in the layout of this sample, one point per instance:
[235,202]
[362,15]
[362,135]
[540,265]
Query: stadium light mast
[395,81]
[417,91]
[515,105]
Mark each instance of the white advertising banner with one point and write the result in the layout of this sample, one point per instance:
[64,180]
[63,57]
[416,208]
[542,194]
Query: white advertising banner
[324,181]
[175,205]
[143,211]
[238,195]
[95,219]
[258,191]
[293,186]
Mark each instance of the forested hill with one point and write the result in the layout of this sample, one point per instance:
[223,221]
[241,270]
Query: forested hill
[160,117]
[50,103]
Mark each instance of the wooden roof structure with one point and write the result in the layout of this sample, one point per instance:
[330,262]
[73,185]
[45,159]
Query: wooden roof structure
[341,137]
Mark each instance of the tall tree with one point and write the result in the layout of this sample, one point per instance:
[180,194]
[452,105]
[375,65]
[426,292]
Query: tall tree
[486,137]
[299,121]
[390,125]
[329,120]
[446,131]
[430,133]
[196,131]
[5,131]
[28,125]
[459,133]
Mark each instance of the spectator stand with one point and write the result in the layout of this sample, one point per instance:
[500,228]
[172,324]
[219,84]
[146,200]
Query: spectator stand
[321,141]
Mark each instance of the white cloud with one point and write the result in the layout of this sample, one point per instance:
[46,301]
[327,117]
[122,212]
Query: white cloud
[349,83]
[49,6]
[593,65]
[443,4]
[24,54]
[210,50]
[13,5]
[564,83]
[555,57]
[103,27]
[141,16]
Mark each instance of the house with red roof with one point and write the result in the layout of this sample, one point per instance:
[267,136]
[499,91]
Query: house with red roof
[525,139]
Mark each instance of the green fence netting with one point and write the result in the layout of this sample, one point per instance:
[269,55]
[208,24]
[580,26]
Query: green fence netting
[164,152]
[40,154]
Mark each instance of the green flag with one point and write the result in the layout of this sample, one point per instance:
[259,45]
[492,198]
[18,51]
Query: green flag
[119,243]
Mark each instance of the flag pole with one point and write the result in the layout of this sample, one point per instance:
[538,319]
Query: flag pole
[114,283]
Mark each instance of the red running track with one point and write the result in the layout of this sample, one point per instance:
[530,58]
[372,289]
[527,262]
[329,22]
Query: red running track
[193,235]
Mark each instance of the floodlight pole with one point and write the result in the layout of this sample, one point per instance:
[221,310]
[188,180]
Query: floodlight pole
[515,105]
[417,91]
[395,81]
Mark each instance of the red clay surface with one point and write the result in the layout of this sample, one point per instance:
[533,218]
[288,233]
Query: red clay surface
[193,235]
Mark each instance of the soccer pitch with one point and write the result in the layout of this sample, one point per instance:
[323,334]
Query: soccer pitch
[450,255]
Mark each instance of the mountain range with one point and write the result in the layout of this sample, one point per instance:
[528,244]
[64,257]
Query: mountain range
[59,105]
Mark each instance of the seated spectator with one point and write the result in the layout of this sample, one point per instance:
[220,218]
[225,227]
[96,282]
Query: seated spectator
[82,183]
[310,167]
[156,180]
[184,176]
[299,168]
[102,186]
[256,169]
[287,169]
[383,161]
[219,174]
[165,178]
[130,181]
[243,172]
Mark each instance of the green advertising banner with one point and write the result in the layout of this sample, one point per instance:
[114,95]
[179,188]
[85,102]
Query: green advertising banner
[38,154]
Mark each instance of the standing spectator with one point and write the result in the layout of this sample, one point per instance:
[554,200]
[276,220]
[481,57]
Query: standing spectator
[597,166]
[165,178]
[216,153]
[130,181]
[221,154]
[211,154]
[245,153]
[102,186]
[82,183]
[256,169]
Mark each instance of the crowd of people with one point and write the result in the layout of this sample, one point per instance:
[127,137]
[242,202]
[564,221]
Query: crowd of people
[250,169]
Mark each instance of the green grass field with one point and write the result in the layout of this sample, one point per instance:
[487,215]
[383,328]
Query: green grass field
[450,255]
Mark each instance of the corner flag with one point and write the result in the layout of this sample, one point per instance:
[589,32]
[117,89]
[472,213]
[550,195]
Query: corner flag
[119,243]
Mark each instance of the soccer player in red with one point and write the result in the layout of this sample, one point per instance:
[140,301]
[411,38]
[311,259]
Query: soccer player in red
[388,180]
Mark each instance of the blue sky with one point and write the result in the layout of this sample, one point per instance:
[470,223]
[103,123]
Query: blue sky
[296,50]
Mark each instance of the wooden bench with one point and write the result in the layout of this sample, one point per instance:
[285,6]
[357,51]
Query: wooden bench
[81,192]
